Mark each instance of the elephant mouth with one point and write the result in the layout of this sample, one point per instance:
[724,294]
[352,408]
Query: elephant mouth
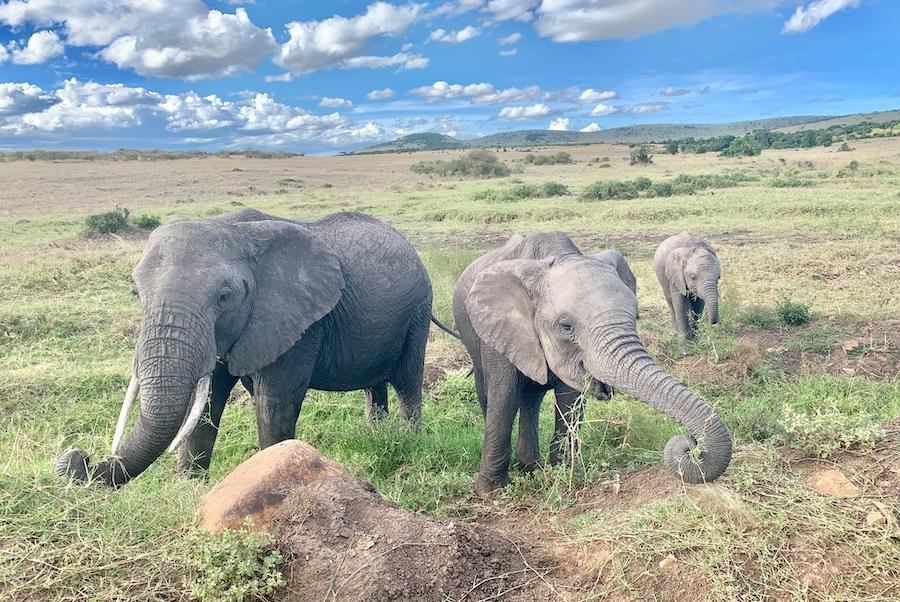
[602,391]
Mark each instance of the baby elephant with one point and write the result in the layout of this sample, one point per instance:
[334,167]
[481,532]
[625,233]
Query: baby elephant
[688,271]
[538,315]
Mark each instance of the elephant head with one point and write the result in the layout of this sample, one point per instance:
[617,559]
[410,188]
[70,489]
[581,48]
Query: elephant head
[242,291]
[573,315]
[695,270]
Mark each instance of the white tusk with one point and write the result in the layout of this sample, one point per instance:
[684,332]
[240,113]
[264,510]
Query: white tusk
[130,396]
[193,418]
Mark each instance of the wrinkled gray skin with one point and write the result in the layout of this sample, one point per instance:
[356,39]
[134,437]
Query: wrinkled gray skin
[688,271]
[537,315]
[338,304]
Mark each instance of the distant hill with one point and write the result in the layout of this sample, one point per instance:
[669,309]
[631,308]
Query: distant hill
[656,132]
[876,117]
[417,142]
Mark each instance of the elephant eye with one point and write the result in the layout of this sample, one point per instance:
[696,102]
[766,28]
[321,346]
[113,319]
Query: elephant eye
[225,296]
[566,326]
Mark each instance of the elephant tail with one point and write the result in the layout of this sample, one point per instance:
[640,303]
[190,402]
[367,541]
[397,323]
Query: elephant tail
[445,328]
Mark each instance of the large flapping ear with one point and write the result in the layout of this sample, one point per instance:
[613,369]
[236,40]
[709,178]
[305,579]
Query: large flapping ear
[676,262]
[620,264]
[502,313]
[298,281]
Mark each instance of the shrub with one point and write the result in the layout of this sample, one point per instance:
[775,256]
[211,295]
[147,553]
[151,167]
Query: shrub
[523,191]
[672,147]
[792,182]
[642,183]
[481,164]
[844,147]
[147,221]
[822,433]
[233,566]
[660,189]
[792,313]
[548,189]
[560,158]
[610,189]
[641,156]
[108,222]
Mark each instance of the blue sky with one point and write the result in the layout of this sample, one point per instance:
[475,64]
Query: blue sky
[323,77]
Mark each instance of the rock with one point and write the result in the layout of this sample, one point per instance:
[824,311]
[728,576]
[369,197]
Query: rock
[668,563]
[833,483]
[257,488]
[719,499]
[875,518]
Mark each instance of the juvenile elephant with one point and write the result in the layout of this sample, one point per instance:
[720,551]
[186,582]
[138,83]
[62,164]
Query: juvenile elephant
[537,315]
[338,304]
[688,271]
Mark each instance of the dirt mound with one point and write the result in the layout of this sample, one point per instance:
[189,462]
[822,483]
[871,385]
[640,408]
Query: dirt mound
[342,541]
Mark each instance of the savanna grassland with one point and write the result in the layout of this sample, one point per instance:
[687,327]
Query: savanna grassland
[803,367]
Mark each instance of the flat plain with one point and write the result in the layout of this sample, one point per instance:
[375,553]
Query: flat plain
[814,231]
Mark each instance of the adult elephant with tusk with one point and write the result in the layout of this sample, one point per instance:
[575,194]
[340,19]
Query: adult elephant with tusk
[338,304]
[688,271]
[537,315]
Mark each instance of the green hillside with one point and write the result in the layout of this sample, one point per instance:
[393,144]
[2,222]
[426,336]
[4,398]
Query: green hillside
[876,117]
[424,141]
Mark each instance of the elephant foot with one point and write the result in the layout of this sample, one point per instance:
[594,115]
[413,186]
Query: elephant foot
[74,464]
[529,466]
[484,486]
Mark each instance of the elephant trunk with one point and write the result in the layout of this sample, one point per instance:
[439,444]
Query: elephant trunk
[621,360]
[710,294]
[175,351]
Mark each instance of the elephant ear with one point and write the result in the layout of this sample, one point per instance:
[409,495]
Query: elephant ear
[502,313]
[675,265]
[298,281]
[620,265]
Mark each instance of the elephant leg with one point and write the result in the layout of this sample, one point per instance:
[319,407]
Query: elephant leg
[503,393]
[569,414]
[196,452]
[681,309]
[528,452]
[480,389]
[407,377]
[377,402]
[248,384]
[279,390]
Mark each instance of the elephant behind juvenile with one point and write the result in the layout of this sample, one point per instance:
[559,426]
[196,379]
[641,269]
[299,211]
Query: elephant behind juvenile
[337,304]
[537,315]
[688,271]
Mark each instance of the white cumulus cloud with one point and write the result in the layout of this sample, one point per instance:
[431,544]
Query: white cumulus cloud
[454,37]
[593,127]
[335,103]
[480,93]
[40,48]
[807,17]
[604,109]
[509,52]
[159,38]
[591,95]
[536,111]
[382,94]
[21,98]
[511,39]
[337,41]
[560,124]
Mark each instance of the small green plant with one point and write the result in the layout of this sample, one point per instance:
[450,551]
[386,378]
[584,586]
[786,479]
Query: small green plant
[108,222]
[523,191]
[610,189]
[792,182]
[147,221]
[793,313]
[232,566]
[640,155]
[844,147]
[822,433]
[758,317]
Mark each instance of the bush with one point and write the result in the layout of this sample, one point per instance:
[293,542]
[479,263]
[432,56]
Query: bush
[642,183]
[792,182]
[523,191]
[672,147]
[147,221]
[108,222]
[792,313]
[233,566]
[822,433]
[610,189]
[844,147]
[481,164]
[554,159]
[658,189]
[641,156]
